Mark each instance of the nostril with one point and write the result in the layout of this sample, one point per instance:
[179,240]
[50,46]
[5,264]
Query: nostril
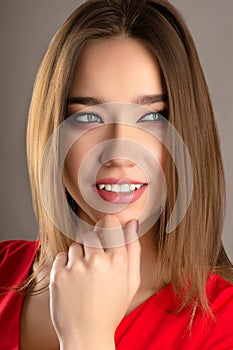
[118,152]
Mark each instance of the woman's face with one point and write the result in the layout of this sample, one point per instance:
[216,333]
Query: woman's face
[115,165]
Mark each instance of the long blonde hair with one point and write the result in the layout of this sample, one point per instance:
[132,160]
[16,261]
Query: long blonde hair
[195,249]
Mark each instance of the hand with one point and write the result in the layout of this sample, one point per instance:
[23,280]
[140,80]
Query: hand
[91,288]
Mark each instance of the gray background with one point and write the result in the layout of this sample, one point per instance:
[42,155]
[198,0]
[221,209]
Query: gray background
[27,26]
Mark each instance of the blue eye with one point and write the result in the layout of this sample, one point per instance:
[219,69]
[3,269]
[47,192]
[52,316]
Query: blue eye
[153,117]
[86,118]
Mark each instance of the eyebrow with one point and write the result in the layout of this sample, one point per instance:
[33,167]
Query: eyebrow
[140,99]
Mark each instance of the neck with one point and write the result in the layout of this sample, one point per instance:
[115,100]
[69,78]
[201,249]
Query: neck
[149,263]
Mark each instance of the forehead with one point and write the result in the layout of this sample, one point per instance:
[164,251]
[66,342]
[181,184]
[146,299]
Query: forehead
[116,68]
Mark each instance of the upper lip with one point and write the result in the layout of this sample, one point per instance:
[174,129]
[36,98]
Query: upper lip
[113,180]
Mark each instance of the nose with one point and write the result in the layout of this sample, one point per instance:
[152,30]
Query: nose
[119,163]
[119,150]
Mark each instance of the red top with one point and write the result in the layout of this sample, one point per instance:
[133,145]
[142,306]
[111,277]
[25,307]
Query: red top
[151,326]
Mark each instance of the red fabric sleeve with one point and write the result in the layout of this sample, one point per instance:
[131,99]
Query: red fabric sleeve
[16,259]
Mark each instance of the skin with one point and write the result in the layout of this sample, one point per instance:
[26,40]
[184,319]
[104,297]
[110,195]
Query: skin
[114,80]
[103,285]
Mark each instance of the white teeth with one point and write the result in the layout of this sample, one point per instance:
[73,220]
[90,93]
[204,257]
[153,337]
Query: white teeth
[124,188]
[132,187]
[115,188]
[135,187]
[138,186]
[108,187]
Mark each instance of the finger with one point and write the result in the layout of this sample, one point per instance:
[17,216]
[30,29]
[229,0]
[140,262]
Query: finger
[75,253]
[91,244]
[111,233]
[134,251]
[131,231]
[60,261]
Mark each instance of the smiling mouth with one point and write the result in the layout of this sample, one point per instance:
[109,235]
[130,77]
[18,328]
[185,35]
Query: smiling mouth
[121,191]
[119,188]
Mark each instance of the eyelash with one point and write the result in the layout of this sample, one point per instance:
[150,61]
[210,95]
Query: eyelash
[163,116]
[76,115]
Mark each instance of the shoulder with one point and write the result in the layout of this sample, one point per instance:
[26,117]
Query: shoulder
[16,245]
[219,292]
[217,332]
[11,249]
[16,258]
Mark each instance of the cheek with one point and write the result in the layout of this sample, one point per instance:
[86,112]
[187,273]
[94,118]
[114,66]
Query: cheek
[157,149]
[73,162]
[79,150]
[162,156]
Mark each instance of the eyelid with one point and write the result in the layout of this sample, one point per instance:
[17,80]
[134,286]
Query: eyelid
[77,114]
[163,114]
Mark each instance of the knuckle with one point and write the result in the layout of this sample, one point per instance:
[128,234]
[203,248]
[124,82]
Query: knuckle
[120,258]
[57,276]
[61,255]
[73,244]
[95,260]
[78,266]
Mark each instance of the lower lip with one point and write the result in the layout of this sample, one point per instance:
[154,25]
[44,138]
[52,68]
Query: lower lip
[121,198]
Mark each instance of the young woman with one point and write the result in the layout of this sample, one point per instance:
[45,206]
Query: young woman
[121,138]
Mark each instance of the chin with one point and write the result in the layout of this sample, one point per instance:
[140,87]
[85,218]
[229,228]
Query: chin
[124,217]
